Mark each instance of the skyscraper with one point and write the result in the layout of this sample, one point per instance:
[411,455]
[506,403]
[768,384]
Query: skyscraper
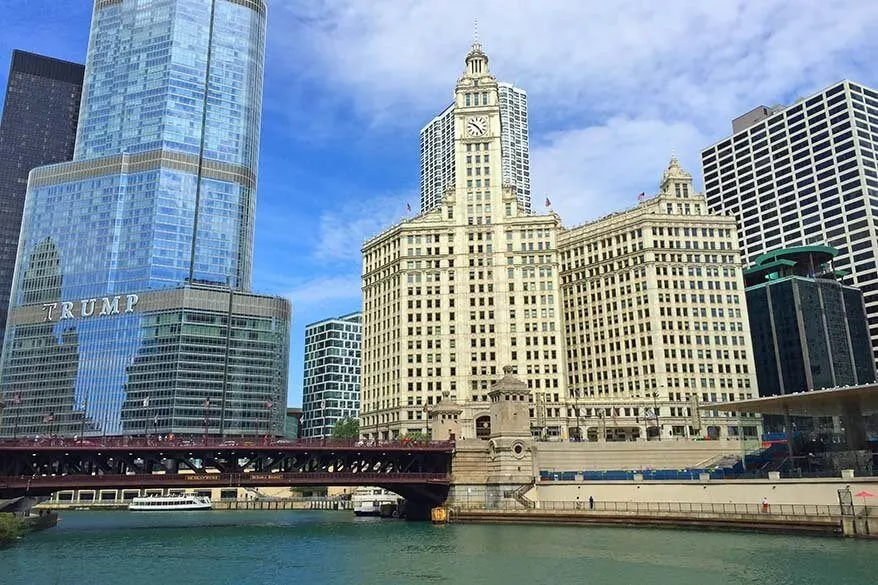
[463,290]
[38,128]
[809,330]
[133,272]
[805,174]
[331,391]
[437,149]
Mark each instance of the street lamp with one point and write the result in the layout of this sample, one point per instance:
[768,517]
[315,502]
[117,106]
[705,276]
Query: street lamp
[206,406]
[82,424]
[269,406]
[655,412]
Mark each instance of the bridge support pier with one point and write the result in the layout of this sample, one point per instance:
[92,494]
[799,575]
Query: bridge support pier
[496,472]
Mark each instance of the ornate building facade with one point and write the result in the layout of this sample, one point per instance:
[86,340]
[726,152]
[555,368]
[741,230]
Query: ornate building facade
[462,290]
[655,320]
[621,328]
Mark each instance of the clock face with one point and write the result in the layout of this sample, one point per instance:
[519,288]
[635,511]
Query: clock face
[477,126]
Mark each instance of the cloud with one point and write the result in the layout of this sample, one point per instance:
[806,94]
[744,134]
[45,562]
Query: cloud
[391,54]
[325,289]
[665,74]
[592,171]
[343,229]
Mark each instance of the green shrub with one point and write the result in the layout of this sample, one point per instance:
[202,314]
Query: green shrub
[10,529]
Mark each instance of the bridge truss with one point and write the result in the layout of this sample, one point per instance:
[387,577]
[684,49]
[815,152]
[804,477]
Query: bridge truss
[419,472]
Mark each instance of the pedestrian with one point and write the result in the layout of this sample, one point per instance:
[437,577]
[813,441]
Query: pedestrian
[590,502]
[765,505]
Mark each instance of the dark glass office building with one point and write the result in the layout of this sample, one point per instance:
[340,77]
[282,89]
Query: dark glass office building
[38,128]
[809,330]
[130,309]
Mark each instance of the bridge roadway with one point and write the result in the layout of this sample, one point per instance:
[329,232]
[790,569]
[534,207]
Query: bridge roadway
[418,471]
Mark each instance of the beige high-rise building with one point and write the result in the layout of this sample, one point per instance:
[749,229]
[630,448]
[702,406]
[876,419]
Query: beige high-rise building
[655,320]
[457,293]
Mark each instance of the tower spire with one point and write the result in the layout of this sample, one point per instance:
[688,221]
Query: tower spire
[476,60]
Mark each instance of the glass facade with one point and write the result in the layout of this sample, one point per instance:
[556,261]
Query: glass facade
[331,390]
[808,334]
[160,194]
[38,128]
[806,174]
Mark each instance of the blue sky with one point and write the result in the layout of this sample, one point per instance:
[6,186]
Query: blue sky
[614,87]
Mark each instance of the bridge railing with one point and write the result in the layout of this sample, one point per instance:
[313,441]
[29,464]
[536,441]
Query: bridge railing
[671,508]
[82,481]
[195,442]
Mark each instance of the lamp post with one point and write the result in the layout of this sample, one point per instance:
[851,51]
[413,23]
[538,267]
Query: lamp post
[269,406]
[146,415]
[82,423]
[16,401]
[655,411]
[206,420]
[226,358]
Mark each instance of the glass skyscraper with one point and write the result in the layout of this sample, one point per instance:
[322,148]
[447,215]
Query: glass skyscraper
[136,256]
[38,128]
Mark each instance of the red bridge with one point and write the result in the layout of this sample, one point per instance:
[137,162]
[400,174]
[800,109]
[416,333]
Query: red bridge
[418,471]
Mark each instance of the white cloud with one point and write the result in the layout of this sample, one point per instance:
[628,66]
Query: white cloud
[343,229]
[620,83]
[324,289]
[589,172]
[392,54]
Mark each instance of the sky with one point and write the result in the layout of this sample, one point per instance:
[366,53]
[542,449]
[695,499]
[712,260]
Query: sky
[614,88]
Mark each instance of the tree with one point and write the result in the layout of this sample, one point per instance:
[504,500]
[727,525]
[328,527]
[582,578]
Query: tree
[10,529]
[346,428]
[415,438]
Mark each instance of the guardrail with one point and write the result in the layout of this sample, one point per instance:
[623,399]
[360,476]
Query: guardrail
[683,508]
[66,482]
[186,442]
[683,475]
[220,504]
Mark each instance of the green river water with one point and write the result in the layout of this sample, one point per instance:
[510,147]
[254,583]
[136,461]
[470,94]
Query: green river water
[296,547]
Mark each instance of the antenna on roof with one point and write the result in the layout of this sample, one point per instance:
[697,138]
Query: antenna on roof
[476,31]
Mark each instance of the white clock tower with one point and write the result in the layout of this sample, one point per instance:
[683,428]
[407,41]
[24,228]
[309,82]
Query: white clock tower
[477,119]
[465,289]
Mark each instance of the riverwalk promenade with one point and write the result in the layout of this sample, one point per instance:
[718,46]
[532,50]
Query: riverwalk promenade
[855,521]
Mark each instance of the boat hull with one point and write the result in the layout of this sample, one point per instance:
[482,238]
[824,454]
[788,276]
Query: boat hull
[194,508]
[170,504]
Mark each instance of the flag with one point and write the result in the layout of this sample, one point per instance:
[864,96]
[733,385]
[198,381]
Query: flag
[269,404]
[206,402]
[17,398]
[548,203]
[146,402]
[49,417]
[408,207]
[641,197]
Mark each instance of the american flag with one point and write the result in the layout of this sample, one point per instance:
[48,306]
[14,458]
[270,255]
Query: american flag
[269,404]
[548,203]
[206,402]
[49,417]
[641,197]
[17,398]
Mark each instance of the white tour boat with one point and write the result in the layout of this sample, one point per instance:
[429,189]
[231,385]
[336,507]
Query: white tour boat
[367,501]
[175,503]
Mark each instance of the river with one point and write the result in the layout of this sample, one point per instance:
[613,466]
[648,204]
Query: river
[316,548]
